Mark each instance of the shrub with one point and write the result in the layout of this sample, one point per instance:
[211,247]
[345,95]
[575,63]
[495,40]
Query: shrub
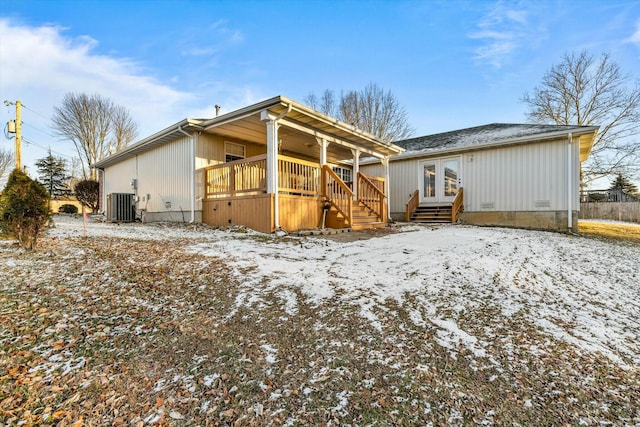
[68,208]
[24,209]
[87,193]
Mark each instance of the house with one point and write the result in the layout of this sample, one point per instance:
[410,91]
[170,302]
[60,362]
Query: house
[273,165]
[519,175]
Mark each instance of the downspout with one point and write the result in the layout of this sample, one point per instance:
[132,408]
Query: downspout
[569,184]
[274,169]
[192,172]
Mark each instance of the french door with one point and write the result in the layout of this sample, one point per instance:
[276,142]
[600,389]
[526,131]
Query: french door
[439,180]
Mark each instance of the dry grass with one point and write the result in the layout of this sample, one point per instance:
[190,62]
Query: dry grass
[140,333]
[616,231]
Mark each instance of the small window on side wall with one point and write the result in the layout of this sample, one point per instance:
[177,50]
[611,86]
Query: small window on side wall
[343,173]
[233,151]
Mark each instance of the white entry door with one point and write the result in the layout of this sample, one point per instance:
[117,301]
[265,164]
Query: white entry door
[439,180]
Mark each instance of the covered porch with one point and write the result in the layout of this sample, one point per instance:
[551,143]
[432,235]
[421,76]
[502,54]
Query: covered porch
[292,184]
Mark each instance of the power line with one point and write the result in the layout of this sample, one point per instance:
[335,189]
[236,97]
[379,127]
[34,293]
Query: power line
[28,141]
[34,111]
[38,129]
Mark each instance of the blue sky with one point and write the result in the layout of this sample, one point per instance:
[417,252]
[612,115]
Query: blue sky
[451,64]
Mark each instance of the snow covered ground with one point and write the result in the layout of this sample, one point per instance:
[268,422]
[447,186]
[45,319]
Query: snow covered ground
[177,324]
[583,291]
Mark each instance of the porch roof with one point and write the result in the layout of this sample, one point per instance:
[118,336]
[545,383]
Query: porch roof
[299,128]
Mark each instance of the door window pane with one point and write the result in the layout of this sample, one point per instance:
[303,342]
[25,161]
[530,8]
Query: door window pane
[450,177]
[429,189]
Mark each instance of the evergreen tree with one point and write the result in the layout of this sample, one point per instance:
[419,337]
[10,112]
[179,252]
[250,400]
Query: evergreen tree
[52,173]
[623,183]
[24,209]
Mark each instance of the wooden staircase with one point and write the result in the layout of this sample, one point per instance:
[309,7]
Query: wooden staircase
[345,210]
[443,213]
[432,214]
[362,218]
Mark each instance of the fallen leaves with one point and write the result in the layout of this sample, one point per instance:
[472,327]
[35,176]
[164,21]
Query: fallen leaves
[131,332]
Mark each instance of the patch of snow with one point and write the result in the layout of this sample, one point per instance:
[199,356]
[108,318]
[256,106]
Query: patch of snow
[583,291]
[343,401]
[209,379]
[271,353]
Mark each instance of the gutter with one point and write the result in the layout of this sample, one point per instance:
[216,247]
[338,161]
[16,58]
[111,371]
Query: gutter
[192,173]
[569,182]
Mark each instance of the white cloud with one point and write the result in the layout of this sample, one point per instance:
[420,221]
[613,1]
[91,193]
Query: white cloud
[635,37]
[40,64]
[221,37]
[501,32]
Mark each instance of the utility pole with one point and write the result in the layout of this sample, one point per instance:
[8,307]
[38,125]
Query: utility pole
[18,131]
[18,135]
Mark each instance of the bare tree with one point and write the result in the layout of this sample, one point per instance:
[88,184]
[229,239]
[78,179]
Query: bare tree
[371,109]
[326,104]
[585,90]
[92,123]
[124,128]
[6,160]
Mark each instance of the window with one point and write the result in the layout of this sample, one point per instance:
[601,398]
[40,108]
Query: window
[343,173]
[233,151]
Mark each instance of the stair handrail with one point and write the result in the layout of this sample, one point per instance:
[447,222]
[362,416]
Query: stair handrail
[457,206]
[366,186]
[412,204]
[341,197]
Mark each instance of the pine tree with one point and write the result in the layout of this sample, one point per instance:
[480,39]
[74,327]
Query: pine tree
[623,183]
[53,174]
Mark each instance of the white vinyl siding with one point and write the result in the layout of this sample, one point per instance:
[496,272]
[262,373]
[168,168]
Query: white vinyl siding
[527,177]
[162,176]
[117,178]
[531,177]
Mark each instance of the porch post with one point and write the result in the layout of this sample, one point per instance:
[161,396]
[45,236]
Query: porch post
[323,150]
[272,156]
[385,164]
[272,162]
[356,169]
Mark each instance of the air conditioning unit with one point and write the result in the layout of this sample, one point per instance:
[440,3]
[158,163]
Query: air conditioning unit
[121,207]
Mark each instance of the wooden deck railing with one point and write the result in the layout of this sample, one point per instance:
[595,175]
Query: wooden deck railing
[297,176]
[247,176]
[337,193]
[412,205]
[372,196]
[457,206]
[237,177]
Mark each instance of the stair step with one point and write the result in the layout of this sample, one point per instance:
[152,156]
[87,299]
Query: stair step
[368,226]
[432,214]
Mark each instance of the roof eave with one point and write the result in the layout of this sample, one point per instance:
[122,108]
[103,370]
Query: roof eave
[149,142]
[583,130]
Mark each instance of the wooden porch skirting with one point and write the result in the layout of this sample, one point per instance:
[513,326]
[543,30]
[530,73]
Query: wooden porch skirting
[257,213]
